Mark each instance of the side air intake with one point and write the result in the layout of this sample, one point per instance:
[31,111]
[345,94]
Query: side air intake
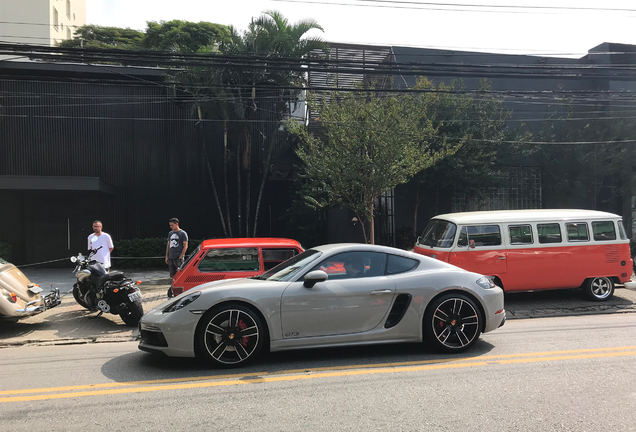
[398,310]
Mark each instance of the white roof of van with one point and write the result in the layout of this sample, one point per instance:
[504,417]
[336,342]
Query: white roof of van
[520,216]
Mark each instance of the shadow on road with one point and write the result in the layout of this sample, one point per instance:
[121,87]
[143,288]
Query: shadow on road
[141,366]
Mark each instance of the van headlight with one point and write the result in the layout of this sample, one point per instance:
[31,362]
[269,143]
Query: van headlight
[485,283]
[182,302]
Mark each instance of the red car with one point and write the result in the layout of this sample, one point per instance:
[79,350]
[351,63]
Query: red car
[232,258]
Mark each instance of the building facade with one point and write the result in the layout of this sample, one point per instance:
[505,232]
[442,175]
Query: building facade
[40,22]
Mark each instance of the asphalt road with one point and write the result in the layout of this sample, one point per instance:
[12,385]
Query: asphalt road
[553,374]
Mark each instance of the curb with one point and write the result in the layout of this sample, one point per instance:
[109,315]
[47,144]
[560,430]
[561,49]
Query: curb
[522,314]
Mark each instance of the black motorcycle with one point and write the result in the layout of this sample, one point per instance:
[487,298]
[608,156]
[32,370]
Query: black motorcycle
[111,292]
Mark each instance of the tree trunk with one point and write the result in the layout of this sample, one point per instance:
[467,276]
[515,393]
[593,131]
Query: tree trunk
[371,225]
[216,195]
[238,189]
[227,194]
[417,205]
[247,162]
[268,158]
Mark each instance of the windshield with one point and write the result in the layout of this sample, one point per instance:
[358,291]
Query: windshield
[286,270]
[439,233]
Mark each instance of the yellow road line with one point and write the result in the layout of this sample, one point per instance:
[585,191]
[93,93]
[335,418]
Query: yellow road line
[307,370]
[227,380]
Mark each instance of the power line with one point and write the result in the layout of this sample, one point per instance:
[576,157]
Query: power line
[456,7]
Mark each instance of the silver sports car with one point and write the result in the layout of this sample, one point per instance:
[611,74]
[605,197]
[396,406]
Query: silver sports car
[332,295]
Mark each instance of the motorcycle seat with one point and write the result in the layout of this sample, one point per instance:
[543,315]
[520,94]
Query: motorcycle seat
[112,276]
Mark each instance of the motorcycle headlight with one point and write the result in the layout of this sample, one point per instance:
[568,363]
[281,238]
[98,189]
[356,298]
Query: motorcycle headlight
[485,283]
[181,303]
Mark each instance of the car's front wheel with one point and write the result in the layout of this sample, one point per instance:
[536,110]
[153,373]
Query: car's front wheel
[598,288]
[230,335]
[453,323]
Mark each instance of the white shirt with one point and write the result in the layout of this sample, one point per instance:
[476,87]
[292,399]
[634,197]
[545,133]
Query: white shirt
[102,255]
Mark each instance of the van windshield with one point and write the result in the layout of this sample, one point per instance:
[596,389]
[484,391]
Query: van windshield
[439,233]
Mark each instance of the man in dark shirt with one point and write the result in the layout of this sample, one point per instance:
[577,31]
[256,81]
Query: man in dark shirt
[176,247]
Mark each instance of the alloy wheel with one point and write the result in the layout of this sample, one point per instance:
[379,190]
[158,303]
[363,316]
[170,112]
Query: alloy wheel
[455,323]
[231,336]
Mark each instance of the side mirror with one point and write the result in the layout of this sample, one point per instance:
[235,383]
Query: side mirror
[312,278]
[472,244]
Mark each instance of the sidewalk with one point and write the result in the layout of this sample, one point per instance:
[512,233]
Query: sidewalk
[69,323]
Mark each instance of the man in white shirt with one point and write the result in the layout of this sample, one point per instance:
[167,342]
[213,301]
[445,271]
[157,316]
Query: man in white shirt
[100,238]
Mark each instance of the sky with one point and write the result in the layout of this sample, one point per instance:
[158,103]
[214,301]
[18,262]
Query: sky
[552,28]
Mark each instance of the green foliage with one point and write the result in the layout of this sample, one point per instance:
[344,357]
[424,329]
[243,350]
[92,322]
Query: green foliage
[305,221]
[93,36]
[372,143]
[144,252]
[575,174]
[479,120]
[184,36]
[5,251]
[404,238]
[243,100]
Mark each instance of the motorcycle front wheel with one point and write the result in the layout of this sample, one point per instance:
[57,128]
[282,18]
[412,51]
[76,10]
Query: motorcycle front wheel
[79,298]
[132,313]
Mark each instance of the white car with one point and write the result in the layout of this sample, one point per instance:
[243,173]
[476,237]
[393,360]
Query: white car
[332,295]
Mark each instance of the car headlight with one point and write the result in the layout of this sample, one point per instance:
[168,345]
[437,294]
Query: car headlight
[182,302]
[485,283]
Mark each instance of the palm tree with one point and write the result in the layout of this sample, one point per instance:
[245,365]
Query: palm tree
[233,95]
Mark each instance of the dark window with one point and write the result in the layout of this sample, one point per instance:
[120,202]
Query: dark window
[354,265]
[273,257]
[482,235]
[604,231]
[232,259]
[577,231]
[549,233]
[397,264]
[520,234]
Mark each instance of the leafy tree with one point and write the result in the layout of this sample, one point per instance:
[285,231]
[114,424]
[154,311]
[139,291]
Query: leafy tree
[479,120]
[183,35]
[587,162]
[372,143]
[248,104]
[94,36]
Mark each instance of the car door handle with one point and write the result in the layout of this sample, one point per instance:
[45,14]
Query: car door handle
[380,292]
[501,257]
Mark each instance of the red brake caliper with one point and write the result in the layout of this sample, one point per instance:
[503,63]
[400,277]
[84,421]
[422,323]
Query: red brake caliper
[243,326]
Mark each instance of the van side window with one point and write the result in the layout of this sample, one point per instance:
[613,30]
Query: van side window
[549,233]
[231,259]
[483,235]
[463,238]
[604,230]
[520,234]
[577,231]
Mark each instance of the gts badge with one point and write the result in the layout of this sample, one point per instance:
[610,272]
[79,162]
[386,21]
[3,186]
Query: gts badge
[292,334]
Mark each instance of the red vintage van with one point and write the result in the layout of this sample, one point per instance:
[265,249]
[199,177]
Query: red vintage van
[232,258]
[527,250]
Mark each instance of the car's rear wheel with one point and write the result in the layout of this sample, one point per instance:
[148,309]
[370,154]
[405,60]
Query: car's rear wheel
[598,288]
[230,335]
[453,323]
